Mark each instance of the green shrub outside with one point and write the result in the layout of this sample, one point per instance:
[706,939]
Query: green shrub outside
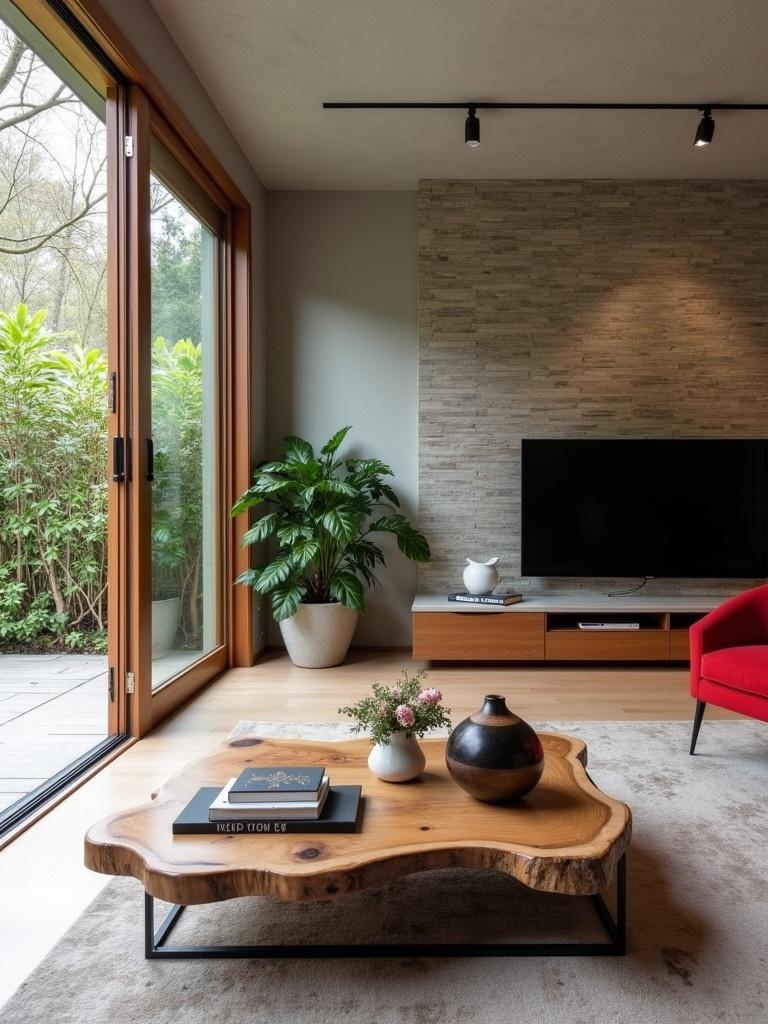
[53,485]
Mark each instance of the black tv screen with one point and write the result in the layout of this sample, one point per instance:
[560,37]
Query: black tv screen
[674,508]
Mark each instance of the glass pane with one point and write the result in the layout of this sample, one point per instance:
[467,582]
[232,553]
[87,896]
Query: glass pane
[184,491]
[53,419]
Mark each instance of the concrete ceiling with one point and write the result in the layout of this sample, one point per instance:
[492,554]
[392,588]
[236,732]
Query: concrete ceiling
[269,64]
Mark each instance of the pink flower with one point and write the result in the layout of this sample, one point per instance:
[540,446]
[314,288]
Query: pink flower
[396,692]
[405,715]
[431,696]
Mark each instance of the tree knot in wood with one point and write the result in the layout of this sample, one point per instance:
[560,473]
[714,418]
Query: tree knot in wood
[309,853]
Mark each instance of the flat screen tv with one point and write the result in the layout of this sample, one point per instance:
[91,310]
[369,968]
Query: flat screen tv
[656,508]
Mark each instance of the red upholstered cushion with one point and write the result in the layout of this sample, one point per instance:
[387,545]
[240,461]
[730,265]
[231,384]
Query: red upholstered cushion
[743,668]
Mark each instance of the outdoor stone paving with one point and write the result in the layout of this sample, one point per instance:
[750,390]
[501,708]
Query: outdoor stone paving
[53,709]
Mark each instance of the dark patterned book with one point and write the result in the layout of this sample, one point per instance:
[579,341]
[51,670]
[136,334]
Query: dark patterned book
[502,598]
[273,783]
[340,814]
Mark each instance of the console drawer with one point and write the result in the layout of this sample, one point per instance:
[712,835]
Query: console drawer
[479,636]
[627,645]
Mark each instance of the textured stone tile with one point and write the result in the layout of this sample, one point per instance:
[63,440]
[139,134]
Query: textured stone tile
[578,309]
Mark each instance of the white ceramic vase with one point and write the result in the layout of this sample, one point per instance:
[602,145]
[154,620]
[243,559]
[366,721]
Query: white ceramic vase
[399,760]
[319,635]
[481,577]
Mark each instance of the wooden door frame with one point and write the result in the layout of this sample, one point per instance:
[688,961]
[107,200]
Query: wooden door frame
[235,636]
[117,411]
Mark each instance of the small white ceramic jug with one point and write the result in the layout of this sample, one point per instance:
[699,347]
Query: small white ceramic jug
[481,577]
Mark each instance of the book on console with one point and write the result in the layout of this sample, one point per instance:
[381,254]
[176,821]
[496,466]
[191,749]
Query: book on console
[223,810]
[504,597]
[339,814]
[271,783]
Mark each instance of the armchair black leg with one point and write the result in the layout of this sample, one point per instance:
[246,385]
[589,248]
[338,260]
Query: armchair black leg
[697,717]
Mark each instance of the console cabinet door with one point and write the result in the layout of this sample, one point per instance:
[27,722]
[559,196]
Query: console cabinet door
[478,636]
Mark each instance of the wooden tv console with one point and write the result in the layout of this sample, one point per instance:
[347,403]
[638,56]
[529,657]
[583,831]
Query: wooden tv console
[546,628]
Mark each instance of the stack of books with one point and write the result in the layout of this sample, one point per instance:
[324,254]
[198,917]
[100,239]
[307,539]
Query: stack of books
[272,799]
[502,597]
[261,794]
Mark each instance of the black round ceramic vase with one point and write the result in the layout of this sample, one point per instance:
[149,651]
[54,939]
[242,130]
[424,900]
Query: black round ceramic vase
[494,755]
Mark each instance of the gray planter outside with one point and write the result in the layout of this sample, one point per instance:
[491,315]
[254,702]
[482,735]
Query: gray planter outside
[166,616]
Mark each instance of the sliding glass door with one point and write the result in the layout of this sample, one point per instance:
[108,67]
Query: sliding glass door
[59,702]
[185,441]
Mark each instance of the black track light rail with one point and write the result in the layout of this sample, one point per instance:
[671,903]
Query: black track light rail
[480,105]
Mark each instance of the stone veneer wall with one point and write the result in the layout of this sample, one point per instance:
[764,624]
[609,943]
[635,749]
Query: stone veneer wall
[578,309]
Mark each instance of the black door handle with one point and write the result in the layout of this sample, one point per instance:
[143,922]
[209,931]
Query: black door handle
[150,459]
[118,459]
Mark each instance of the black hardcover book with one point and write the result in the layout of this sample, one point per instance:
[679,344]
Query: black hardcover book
[340,813]
[289,782]
[504,598]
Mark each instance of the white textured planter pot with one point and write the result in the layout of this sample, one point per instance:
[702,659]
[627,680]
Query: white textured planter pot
[399,760]
[166,616]
[319,635]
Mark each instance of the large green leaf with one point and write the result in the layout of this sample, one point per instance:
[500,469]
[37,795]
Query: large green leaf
[249,577]
[331,446]
[348,589]
[297,449]
[262,529]
[414,545]
[340,523]
[273,574]
[286,600]
[390,495]
[293,532]
[410,541]
[304,551]
[271,484]
[338,487]
[366,469]
[248,500]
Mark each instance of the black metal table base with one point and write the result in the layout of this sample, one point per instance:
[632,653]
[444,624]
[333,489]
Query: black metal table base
[156,948]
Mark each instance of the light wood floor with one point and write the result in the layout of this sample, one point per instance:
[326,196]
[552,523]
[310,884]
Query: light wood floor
[43,884]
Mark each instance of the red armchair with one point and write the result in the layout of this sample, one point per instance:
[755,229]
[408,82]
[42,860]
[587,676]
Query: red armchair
[729,658]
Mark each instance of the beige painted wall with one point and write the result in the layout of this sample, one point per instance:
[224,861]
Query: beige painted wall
[152,41]
[341,297]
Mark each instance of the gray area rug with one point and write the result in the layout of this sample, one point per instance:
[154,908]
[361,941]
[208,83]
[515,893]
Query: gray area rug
[698,921]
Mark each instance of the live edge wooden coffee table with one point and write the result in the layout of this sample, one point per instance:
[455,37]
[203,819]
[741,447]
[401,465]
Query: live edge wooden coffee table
[565,837]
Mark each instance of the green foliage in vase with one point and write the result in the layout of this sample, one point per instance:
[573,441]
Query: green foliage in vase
[406,707]
[322,511]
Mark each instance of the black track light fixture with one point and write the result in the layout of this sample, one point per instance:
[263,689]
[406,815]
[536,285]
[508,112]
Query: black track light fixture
[704,133]
[472,128]
[706,129]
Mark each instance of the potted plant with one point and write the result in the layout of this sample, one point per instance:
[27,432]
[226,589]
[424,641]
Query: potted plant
[395,716]
[322,510]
